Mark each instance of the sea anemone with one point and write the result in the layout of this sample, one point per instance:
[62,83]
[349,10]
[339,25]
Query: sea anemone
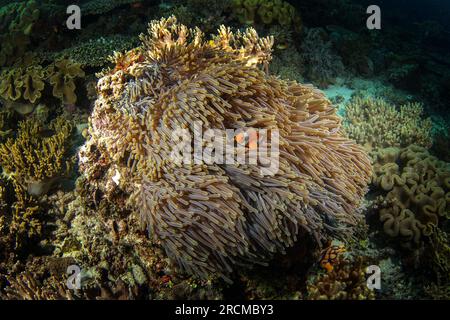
[212,217]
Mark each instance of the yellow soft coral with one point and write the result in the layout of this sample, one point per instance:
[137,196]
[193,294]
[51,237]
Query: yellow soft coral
[376,124]
[37,155]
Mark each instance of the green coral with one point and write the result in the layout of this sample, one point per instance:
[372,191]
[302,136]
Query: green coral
[17,20]
[38,154]
[95,52]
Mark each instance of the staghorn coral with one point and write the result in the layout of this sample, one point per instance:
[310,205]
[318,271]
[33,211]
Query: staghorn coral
[61,75]
[16,23]
[376,124]
[38,155]
[347,281]
[417,192]
[211,217]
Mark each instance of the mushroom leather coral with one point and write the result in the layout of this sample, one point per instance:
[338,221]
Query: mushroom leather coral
[61,76]
[417,187]
[26,83]
[211,218]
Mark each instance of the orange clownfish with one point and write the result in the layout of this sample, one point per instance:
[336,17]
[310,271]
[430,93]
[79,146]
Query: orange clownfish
[250,138]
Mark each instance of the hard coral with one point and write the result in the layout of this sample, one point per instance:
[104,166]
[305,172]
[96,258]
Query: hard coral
[417,192]
[347,281]
[36,157]
[376,124]
[211,217]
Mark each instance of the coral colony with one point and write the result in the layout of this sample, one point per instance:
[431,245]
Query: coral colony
[252,149]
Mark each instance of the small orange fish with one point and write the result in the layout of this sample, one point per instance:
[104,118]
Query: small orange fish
[250,138]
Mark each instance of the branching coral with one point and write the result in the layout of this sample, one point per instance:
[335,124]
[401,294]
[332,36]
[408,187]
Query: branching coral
[375,124]
[36,157]
[211,217]
[25,287]
[347,281]
[20,220]
[417,187]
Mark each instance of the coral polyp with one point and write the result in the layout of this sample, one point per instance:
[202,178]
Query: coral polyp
[211,218]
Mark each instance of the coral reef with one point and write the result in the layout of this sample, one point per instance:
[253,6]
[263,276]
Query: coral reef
[287,65]
[38,155]
[374,123]
[25,287]
[16,22]
[95,7]
[346,281]
[322,64]
[62,76]
[417,192]
[94,52]
[20,220]
[210,217]
[26,83]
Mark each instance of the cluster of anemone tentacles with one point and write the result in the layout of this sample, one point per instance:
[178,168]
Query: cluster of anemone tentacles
[211,218]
